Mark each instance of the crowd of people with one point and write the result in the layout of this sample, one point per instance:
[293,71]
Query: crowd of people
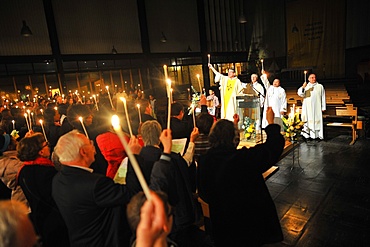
[62,171]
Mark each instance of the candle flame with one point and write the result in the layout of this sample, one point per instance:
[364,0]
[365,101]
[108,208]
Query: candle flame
[138,105]
[80,118]
[40,121]
[107,87]
[305,71]
[115,122]
[169,82]
[198,76]
[123,99]
[261,60]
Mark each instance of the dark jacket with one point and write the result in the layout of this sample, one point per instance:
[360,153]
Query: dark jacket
[35,181]
[93,207]
[146,159]
[171,176]
[231,182]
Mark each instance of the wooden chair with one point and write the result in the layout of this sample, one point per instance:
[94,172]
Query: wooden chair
[347,111]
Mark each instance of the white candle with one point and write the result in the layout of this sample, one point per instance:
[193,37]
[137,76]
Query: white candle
[29,119]
[26,117]
[200,88]
[126,113]
[165,72]
[96,103]
[262,64]
[169,105]
[83,126]
[305,73]
[135,165]
[209,58]
[138,109]
[43,130]
[13,122]
[194,122]
[110,99]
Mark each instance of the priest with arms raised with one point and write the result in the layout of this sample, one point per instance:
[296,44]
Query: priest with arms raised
[230,86]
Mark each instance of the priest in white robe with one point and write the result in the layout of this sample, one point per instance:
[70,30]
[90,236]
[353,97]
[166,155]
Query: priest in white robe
[230,87]
[276,98]
[314,103]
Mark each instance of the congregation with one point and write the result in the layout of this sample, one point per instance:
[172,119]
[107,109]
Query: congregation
[62,159]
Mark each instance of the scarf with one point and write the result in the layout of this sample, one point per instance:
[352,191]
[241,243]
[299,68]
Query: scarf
[41,161]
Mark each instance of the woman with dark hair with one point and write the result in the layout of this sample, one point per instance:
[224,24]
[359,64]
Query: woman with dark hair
[231,182]
[35,178]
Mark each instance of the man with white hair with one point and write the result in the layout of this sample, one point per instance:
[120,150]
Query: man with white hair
[92,205]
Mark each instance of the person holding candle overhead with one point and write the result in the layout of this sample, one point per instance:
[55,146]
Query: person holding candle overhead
[92,205]
[93,129]
[230,86]
[314,103]
[231,178]
[276,98]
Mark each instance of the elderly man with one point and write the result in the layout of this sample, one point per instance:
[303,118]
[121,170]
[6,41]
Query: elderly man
[92,205]
[230,86]
[314,103]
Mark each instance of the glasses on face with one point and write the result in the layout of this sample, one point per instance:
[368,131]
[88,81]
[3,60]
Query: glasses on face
[45,145]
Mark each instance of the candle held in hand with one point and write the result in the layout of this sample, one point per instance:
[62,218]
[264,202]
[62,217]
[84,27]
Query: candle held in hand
[135,165]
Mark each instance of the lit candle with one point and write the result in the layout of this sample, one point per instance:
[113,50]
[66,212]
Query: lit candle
[165,72]
[200,88]
[138,109]
[13,122]
[110,99]
[26,117]
[204,91]
[305,73]
[83,126]
[209,58]
[29,119]
[126,113]
[135,165]
[169,105]
[96,103]
[193,105]
[262,64]
[42,111]
[43,130]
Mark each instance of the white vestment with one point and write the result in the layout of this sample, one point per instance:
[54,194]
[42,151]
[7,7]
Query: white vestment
[228,109]
[276,99]
[313,104]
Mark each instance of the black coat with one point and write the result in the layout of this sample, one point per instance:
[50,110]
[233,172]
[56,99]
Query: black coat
[93,207]
[231,182]
[35,181]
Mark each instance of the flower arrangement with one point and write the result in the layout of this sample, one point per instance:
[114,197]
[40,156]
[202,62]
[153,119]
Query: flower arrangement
[293,125]
[249,128]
